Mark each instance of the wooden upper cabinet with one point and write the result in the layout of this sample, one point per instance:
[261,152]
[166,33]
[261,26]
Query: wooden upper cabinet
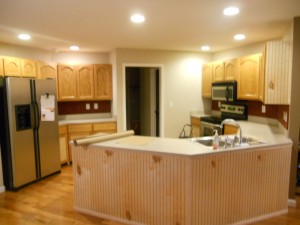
[28,68]
[230,69]
[278,72]
[249,77]
[12,66]
[67,90]
[46,70]
[1,67]
[218,71]
[85,82]
[103,82]
[207,74]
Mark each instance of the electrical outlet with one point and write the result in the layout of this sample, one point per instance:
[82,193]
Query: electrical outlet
[171,104]
[285,116]
[87,106]
[263,109]
[95,105]
[219,104]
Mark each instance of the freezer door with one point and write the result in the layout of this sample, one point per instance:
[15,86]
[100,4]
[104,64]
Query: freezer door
[20,130]
[48,131]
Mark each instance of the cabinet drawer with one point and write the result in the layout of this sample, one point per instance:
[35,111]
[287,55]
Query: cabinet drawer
[79,128]
[105,126]
[63,129]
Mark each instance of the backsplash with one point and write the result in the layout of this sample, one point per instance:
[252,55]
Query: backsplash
[272,111]
[80,107]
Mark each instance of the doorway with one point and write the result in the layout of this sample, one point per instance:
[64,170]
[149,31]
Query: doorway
[142,100]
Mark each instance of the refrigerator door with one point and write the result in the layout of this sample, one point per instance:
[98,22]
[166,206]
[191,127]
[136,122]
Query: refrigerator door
[48,131]
[22,153]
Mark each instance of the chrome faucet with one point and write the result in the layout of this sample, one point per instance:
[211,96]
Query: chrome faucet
[233,122]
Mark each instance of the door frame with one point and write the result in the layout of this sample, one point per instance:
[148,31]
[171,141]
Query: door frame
[161,91]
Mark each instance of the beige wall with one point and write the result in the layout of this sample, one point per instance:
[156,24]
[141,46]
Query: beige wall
[294,122]
[180,85]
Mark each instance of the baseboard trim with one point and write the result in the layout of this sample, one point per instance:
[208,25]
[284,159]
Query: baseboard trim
[2,189]
[292,203]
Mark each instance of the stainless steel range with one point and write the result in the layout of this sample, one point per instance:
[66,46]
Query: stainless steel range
[209,124]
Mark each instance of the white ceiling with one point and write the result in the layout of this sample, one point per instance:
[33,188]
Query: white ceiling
[102,25]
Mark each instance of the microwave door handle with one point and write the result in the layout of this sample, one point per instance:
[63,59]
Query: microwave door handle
[227,93]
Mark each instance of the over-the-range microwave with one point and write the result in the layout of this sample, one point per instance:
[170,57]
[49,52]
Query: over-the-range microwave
[224,91]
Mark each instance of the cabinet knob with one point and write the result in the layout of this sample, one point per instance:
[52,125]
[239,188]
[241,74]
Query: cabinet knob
[271,85]
[79,170]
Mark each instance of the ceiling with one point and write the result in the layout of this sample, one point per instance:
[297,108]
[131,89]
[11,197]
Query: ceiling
[103,25]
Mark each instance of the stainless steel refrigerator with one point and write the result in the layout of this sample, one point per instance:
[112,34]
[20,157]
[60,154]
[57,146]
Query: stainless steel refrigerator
[29,144]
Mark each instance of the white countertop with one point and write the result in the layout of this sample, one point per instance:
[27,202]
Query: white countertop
[269,134]
[82,121]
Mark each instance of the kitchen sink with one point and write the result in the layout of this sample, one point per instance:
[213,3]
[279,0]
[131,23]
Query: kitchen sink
[227,141]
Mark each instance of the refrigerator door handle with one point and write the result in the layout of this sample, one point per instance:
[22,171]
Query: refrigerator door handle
[38,115]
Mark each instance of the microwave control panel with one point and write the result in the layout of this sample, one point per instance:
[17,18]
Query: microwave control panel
[236,109]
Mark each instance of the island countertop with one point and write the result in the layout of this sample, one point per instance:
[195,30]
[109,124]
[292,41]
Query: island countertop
[268,134]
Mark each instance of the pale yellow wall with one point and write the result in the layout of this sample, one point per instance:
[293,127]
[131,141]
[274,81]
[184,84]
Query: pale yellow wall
[180,85]
[294,122]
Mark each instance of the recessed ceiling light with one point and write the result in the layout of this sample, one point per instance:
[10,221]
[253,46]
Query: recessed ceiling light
[231,11]
[24,36]
[205,48]
[137,18]
[74,48]
[239,37]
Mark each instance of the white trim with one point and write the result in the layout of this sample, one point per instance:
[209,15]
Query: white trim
[103,216]
[260,218]
[161,91]
[292,203]
[2,189]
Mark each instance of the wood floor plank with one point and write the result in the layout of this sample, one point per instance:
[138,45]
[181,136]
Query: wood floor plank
[50,201]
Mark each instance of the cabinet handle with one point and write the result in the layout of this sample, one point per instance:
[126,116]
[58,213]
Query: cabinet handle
[271,85]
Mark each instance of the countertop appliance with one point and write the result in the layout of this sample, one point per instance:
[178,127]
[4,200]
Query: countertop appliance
[228,111]
[29,132]
[224,91]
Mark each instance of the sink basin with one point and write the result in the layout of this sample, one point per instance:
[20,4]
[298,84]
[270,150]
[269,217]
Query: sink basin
[227,141]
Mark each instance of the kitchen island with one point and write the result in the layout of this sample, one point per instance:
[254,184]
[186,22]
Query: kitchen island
[162,181]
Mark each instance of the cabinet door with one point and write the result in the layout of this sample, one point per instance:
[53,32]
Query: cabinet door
[1,67]
[207,73]
[230,69]
[46,70]
[218,71]
[12,66]
[248,77]
[103,82]
[63,144]
[278,72]
[195,122]
[28,68]
[85,82]
[66,77]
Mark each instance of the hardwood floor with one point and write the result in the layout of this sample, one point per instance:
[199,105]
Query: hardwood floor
[50,201]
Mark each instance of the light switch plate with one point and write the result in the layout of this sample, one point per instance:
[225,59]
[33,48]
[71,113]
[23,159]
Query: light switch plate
[87,106]
[95,105]
[263,109]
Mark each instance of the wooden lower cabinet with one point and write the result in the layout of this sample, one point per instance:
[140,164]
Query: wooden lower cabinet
[195,122]
[63,144]
[228,129]
[69,132]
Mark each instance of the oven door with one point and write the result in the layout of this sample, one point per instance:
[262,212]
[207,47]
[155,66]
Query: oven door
[208,129]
